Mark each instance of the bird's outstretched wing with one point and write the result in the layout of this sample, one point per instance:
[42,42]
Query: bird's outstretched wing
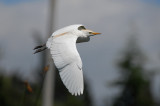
[68,62]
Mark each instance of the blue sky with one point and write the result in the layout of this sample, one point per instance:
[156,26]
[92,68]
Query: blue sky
[152,1]
[11,2]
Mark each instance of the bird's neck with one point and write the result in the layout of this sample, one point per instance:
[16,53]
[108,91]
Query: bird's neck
[66,39]
[71,39]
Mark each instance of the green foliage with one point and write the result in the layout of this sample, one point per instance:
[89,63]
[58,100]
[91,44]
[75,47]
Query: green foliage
[136,91]
[13,92]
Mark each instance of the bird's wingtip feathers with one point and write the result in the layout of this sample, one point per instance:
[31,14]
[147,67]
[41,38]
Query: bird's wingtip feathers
[81,91]
[78,93]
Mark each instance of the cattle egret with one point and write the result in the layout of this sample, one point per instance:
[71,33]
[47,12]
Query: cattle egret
[62,46]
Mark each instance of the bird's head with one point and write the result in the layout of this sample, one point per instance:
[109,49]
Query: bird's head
[79,30]
[83,32]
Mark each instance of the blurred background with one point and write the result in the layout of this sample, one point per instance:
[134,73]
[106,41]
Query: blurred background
[121,66]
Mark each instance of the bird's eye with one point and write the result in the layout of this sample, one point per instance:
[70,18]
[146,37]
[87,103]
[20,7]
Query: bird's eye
[81,28]
[90,32]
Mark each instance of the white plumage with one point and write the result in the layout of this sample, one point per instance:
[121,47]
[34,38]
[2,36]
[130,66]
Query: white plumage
[62,45]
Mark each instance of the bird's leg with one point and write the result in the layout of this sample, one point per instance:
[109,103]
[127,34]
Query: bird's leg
[40,48]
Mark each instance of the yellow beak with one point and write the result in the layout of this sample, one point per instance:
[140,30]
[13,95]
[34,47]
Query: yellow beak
[95,33]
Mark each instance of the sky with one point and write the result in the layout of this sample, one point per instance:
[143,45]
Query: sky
[20,19]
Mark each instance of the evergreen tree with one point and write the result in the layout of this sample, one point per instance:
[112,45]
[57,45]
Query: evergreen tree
[136,86]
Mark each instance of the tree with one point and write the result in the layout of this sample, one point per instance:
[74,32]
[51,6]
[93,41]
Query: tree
[136,86]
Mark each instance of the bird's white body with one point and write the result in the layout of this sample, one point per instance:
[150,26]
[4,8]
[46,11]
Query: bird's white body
[62,45]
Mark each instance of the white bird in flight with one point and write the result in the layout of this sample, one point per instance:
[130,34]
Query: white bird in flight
[62,46]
